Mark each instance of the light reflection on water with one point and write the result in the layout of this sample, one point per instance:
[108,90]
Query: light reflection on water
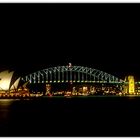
[6,101]
[5,110]
[18,115]
[131,98]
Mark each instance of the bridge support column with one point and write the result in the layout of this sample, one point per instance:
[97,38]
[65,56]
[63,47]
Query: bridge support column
[129,87]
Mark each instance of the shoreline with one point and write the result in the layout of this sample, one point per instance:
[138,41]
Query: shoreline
[93,96]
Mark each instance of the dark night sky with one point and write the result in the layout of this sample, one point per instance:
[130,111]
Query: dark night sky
[102,36]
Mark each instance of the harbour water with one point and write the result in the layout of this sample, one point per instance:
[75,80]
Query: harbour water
[79,116]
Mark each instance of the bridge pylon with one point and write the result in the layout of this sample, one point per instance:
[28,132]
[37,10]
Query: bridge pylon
[129,86]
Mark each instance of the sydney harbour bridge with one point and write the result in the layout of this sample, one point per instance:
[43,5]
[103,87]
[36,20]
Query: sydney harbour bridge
[64,74]
[79,74]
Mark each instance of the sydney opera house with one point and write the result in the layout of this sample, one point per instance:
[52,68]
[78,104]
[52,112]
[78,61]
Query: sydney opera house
[11,85]
[8,82]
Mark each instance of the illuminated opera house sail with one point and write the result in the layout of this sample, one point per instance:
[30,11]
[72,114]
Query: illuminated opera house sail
[6,78]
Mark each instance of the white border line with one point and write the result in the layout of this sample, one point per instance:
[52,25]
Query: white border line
[70,138]
[69,1]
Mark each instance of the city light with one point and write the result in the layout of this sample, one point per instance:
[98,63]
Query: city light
[69,82]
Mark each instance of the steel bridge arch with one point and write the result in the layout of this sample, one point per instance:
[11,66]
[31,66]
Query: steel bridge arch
[57,74]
